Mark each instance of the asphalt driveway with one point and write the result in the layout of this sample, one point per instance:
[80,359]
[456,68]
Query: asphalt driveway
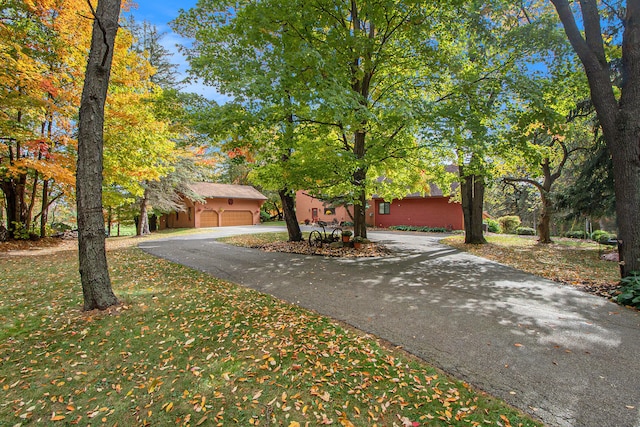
[564,356]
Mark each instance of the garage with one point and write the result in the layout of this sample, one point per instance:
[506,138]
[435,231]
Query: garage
[208,218]
[230,218]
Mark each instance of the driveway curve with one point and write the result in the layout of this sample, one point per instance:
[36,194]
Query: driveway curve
[566,357]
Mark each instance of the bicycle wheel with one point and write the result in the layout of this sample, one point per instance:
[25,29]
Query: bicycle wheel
[315,239]
[336,234]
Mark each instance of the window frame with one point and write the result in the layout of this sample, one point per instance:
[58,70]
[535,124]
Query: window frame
[384,208]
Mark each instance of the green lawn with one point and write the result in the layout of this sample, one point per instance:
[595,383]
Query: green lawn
[187,349]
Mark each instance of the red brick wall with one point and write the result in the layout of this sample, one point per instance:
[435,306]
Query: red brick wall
[428,211]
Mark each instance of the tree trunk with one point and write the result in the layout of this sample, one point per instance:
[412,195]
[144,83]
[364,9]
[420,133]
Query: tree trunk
[94,273]
[360,215]
[544,225]
[109,220]
[627,187]
[360,181]
[620,120]
[44,215]
[32,201]
[472,189]
[143,225]
[290,218]
[11,198]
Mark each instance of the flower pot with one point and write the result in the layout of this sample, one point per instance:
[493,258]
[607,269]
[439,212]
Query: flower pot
[357,245]
[346,239]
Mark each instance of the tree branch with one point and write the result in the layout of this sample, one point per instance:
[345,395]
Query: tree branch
[104,34]
[511,180]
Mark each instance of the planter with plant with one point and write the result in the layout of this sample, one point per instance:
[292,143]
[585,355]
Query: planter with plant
[346,236]
[358,242]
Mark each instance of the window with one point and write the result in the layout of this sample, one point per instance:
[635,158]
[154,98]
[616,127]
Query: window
[384,208]
[329,211]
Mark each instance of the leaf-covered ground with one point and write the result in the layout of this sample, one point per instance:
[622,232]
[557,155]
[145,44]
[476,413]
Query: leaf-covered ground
[187,349]
[277,242]
[569,261]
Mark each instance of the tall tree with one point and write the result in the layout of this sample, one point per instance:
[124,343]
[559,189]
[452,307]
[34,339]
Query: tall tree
[342,81]
[94,273]
[617,104]
[148,43]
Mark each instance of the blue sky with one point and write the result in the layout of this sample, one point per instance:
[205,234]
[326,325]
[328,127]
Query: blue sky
[160,13]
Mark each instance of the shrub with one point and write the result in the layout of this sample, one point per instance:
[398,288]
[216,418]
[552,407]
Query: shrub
[602,236]
[264,216]
[509,224]
[21,232]
[347,233]
[347,224]
[525,231]
[576,234]
[61,227]
[607,239]
[630,291]
[493,226]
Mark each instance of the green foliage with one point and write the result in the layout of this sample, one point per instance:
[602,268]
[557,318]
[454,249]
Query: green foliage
[264,216]
[630,290]
[596,235]
[419,228]
[576,234]
[493,226]
[347,233]
[525,231]
[60,227]
[602,236]
[20,232]
[509,223]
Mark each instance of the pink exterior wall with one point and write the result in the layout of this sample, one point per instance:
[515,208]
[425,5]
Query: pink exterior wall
[181,219]
[191,218]
[426,212]
[306,204]
[222,205]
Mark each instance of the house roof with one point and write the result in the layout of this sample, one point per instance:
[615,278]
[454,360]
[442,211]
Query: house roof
[210,190]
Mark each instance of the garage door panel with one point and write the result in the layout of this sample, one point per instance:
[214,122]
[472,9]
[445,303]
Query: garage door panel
[230,218]
[209,219]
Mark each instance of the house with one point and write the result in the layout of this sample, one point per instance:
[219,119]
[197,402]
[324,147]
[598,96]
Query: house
[435,210]
[309,209]
[224,205]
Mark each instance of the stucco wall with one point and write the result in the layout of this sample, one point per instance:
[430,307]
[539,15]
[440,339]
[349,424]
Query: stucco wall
[191,218]
[428,212]
[223,205]
[182,219]
[306,204]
